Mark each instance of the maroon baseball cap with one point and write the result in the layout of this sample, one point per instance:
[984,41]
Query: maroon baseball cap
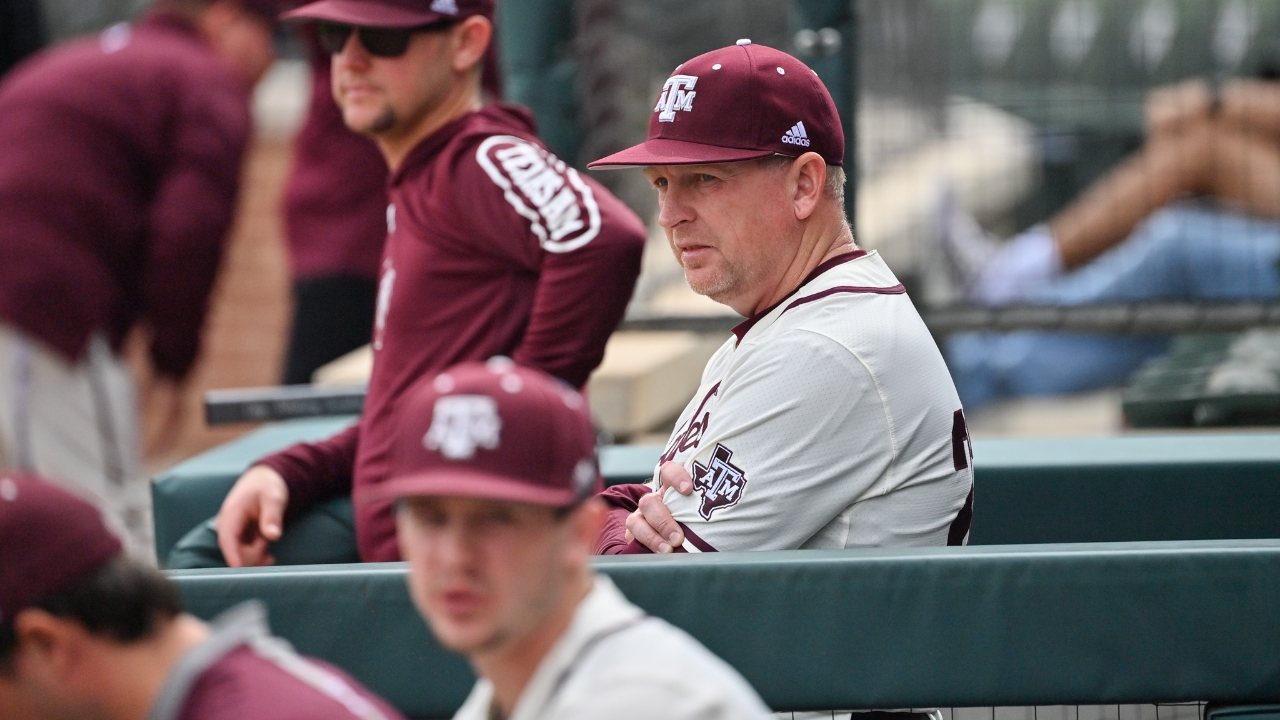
[49,538]
[738,103]
[493,431]
[391,13]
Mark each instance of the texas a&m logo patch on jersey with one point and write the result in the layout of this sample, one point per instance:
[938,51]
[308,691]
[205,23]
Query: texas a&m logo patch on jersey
[720,482]
[559,205]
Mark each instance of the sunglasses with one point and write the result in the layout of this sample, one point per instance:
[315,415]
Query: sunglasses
[380,42]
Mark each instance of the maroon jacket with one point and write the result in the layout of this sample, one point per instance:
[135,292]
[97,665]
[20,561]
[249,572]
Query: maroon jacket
[335,205]
[496,247]
[119,162]
[243,685]
[242,672]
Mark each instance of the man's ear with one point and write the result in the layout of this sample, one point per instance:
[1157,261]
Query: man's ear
[52,673]
[47,644]
[587,520]
[400,510]
[471,39]
[808,175]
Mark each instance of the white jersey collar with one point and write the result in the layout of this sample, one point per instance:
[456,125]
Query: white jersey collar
[868,274]
[601,613]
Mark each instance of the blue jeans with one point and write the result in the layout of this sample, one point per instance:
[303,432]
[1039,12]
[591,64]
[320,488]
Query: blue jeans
[1184,252]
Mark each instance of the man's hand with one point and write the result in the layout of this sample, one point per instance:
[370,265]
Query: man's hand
[652,524]
[1172,109]
[252,516]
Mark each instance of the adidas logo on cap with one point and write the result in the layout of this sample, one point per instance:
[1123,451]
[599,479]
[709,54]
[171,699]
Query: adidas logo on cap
[796,135]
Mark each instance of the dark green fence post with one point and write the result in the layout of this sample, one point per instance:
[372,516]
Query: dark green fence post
[826,39]
[535,52]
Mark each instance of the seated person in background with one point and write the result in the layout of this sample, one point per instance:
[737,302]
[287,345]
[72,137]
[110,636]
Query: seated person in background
[87,631]
[335,218]
[1126,239]
[828,420]
[495,247]
[494,471]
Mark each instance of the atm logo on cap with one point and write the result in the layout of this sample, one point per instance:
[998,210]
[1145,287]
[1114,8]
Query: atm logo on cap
[462,423]
[677,94]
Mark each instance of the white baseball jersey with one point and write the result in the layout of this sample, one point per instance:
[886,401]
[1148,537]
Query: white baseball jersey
[615,662]
[827,421]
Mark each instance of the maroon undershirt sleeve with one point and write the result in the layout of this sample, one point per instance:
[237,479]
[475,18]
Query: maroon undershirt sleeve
[315,472]
[622,500]
[188,223]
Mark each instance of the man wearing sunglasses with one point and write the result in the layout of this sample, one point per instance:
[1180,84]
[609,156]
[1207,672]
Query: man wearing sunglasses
[495,247]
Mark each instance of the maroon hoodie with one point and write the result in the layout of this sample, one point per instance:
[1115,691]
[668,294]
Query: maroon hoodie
[242,672]
[496,247]
[119,162]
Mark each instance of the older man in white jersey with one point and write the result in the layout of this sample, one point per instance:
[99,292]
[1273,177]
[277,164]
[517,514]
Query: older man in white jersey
[829,419]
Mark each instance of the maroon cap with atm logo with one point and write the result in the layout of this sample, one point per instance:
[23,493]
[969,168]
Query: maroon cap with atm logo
[492,431]
[49,538]
[738,103]
[391,13]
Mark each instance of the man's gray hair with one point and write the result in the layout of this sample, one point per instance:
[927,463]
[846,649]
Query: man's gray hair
[836,178]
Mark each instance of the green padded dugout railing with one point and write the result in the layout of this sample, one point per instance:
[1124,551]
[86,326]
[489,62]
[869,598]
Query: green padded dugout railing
[954,627]
[189,493]
[1181,486]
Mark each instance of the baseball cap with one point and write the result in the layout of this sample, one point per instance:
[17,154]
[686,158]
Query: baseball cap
[49,538]
[738,103]
[391,13]
[492,431]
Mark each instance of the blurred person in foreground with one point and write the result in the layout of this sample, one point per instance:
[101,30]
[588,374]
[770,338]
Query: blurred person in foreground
[1193,215]
[494,473]
[828,419]
[89,632]
[120,158]
[495,247]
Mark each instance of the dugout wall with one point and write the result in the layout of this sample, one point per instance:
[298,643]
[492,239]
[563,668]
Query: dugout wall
[1045,625]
